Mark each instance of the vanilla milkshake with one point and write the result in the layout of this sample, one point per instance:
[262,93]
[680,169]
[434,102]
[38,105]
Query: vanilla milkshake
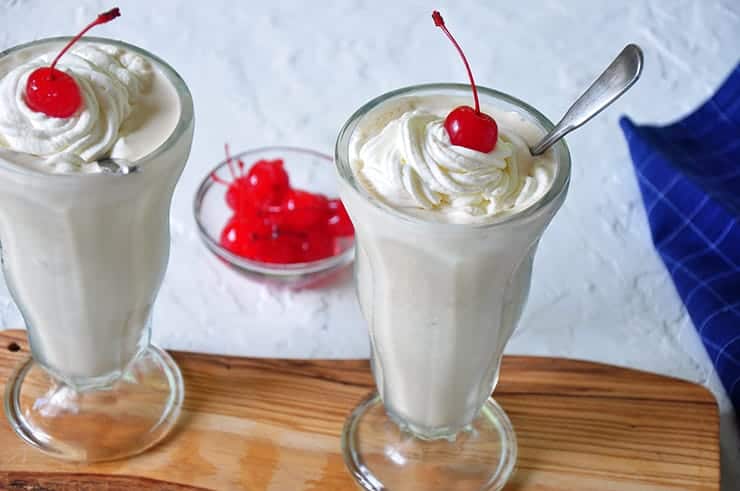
[446,237]
[84,254]
[84,228]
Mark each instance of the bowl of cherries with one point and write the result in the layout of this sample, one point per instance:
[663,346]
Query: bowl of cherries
[273,213]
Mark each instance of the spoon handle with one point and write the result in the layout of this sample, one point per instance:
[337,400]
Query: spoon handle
[616,79]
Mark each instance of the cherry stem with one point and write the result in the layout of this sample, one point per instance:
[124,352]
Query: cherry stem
[439,22]
[229,160]
[219,180]
[101,19]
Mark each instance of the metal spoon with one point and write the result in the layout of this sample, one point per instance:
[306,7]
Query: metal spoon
[616,79]
[117,166]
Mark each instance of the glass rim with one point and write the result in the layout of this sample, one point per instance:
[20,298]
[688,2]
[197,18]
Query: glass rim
[183,92]
[558,188]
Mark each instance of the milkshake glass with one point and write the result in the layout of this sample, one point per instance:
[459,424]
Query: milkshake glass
[441,300]
[84,256]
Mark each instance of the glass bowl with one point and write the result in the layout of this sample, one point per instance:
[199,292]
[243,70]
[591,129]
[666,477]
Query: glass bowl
[308,170]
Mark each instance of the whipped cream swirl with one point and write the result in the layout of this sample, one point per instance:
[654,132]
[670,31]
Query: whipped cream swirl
[411,163]
[110,80]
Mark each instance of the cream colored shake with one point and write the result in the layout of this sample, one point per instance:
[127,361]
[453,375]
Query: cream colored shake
[443,288]
[85,249]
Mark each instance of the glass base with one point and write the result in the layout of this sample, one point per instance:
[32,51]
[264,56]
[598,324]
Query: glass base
[123,419]
[380,456]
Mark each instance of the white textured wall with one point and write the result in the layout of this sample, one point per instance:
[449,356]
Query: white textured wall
[284,73]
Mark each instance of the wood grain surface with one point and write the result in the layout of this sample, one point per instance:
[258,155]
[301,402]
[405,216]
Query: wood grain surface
[265,424]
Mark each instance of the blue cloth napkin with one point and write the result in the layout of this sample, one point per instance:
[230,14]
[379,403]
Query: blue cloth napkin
[689,177]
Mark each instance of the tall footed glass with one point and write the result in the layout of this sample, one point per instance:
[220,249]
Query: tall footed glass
[84,257]
[441,301]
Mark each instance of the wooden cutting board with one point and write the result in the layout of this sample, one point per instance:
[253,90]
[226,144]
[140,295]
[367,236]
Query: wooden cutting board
[266,424]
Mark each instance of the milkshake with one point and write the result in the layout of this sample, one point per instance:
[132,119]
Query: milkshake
[444,259]
[87,234]
[448,206]
[446,238]
[84,228]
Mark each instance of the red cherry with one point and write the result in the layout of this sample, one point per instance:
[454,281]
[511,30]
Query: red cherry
[339,224]
[285,248]
[249,237]
[53,92]
[299,211]
[302,210]
[468,127]
[267,182]
[237,195]
[276,224]
[317,244]
[237,237]
[236,192]
[304,200]
[262,226]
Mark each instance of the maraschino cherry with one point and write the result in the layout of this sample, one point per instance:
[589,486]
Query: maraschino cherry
[468,127]
[53,92]
[276,223]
